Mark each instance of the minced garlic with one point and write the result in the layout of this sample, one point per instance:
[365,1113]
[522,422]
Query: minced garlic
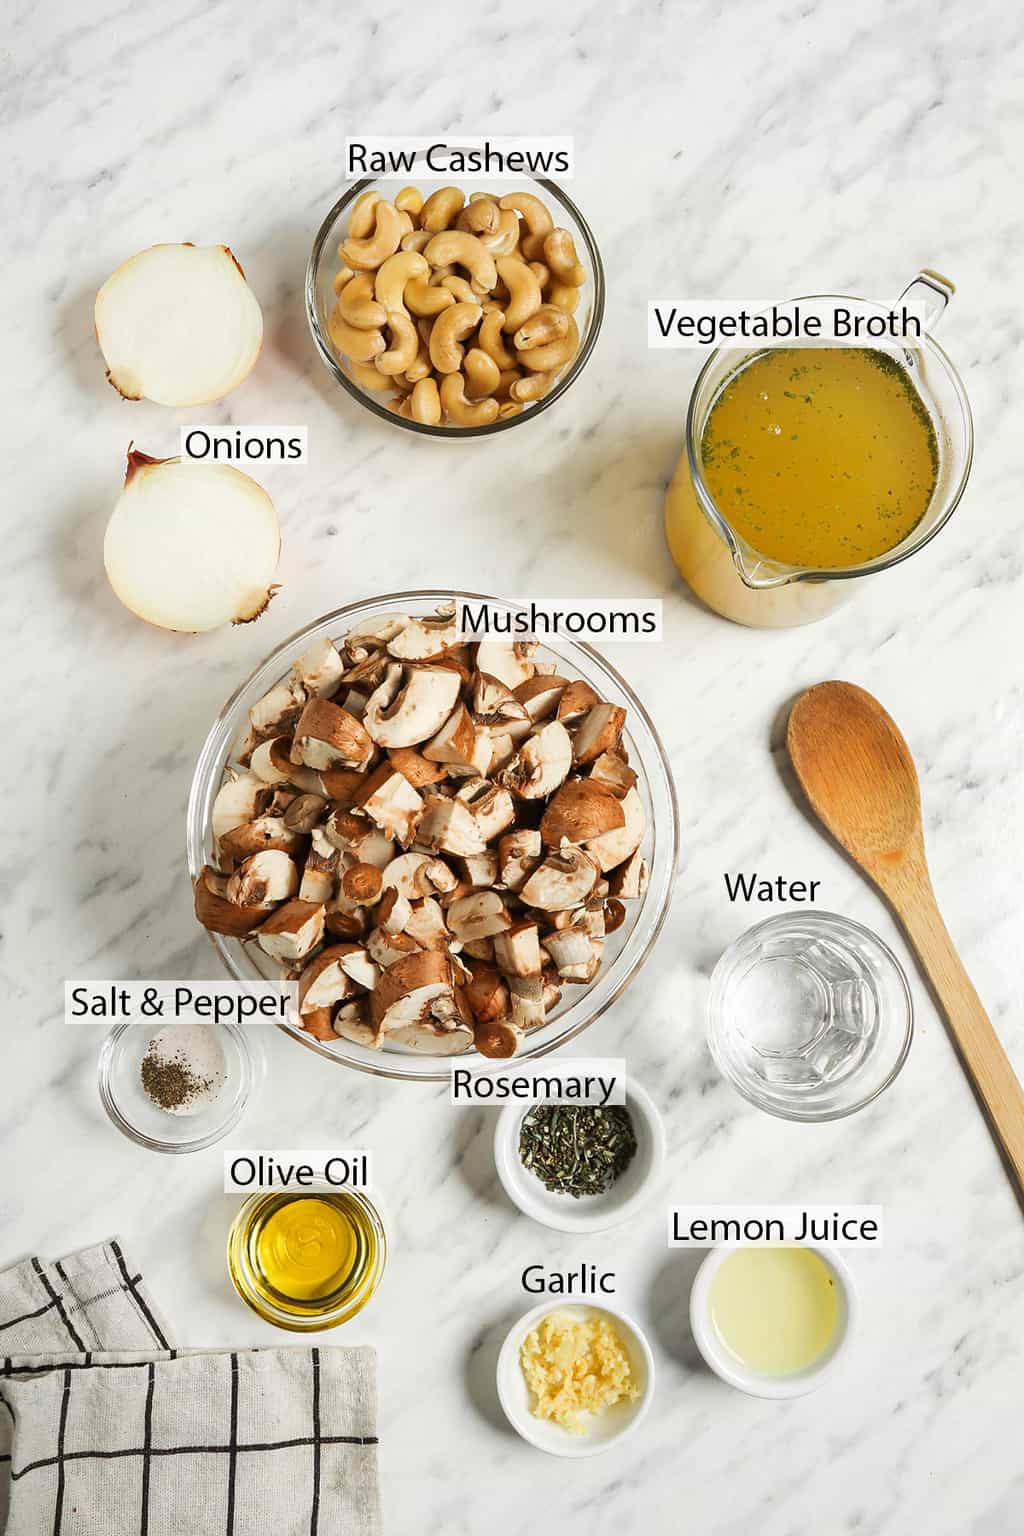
[575,1366]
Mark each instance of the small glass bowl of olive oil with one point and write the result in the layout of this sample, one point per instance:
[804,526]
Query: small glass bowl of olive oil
[310,1261]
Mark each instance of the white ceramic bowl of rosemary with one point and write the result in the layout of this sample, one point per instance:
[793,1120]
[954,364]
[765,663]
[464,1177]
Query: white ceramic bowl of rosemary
[565,1212]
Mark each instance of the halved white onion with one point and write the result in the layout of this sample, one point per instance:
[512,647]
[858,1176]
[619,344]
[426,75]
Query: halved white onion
[178,324]
[191,546]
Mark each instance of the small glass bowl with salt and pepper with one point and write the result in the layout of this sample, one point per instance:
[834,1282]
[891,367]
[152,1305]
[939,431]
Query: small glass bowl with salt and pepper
[177,1087]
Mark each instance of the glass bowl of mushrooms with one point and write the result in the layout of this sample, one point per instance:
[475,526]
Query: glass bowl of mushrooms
[461,851]
[455,310]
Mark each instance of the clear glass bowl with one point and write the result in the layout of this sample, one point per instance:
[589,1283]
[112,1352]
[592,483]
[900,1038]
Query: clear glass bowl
[810,1016]
[321,297]
[625,949]
[141,1120]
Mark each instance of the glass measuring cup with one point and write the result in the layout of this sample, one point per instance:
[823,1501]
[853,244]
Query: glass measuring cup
[724,570]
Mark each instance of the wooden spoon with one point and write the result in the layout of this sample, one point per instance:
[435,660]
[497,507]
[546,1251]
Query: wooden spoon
[858,774]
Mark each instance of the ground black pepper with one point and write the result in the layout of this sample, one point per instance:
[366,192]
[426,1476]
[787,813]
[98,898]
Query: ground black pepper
[170,1081]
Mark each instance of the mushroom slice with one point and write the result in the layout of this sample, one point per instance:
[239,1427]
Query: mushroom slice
[449,826]
[498,1039]
[388,948]
[279,709]
[492,806]
[614,915]
[503,750]
[304,813]
[576,700]
[238,800]
[581,809]
[341,785]
[570,949]
[433,1039]
[390,801]
[507,660]
[319,1024]
[380,629]
[393,911]
[264,879]
[527,996]
[360,968]
[565,879]
[458,741]
[415,875]
[426,925]
[416,711]
[540,694]
[412,765]
[479,949]
[270,760]
[361,886]
[293,931]
[217,913]
[254,836]
[327,736]
[496,706]
[614,773]
[351,1023]
[478,916]
[517,951]
[412,991]
[487,994]
[599,732]
[519,853]
[320,669]
[324,983]
[426,639]
[629,879]
[480,870]
[613,848]
[543,763]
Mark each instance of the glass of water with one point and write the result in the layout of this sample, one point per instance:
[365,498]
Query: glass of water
[810,1016]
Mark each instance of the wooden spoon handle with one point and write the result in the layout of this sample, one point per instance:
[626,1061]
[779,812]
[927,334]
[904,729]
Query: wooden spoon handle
[985,1062]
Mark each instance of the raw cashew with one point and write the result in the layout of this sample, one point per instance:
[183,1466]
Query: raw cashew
[555,355]
[415,240]
[490,338]
[548,324]
[460,288]
[480,216]
[537,218]
[360,346]
[448,330]
[410,201]
[560,255]
[505,238]
[367,377]
[420,367]
[405,343]
[482,373]
[441,209]
[393,275]
[465,413]
[506,379]
[367,255]
[426,298]
[425,403]
[540,272]
[357,307]
[531,247]
[509,408]
[531,388]
[563,296]
[361,219]
[341,277]
[524,291]
[457,245]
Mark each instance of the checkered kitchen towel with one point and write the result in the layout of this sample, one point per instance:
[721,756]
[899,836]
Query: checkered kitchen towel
[143,1441]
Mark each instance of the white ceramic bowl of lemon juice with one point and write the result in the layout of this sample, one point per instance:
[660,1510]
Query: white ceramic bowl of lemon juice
[773,1321]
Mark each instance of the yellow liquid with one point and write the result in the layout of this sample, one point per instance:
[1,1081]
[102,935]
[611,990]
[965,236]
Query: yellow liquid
[820,458]
[305,1249]
[775,1309]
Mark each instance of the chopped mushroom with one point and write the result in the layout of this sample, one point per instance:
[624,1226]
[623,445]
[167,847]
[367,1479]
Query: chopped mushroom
[433,836]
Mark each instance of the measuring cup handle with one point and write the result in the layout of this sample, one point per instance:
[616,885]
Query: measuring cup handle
[932,289]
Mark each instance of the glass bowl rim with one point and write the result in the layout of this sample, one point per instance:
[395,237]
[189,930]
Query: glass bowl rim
[195,833]
[714,1015]
[825,573]
[251,1069]
[448,434]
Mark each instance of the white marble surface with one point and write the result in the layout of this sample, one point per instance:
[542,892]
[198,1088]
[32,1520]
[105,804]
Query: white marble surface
[722,150]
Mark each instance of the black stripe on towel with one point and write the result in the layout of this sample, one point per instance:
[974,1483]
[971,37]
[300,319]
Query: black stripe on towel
[147,1445]
[233,1446]
[58,1506]
[314,1519]
[44,1277]
[132,1286]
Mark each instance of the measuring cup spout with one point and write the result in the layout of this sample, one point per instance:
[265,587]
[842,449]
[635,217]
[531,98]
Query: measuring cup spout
[934,291]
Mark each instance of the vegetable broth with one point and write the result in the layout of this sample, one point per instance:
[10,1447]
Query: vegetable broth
[821,458]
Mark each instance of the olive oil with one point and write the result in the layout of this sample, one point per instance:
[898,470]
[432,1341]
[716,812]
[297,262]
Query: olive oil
[775,1309]
[307,1261]
[820,458]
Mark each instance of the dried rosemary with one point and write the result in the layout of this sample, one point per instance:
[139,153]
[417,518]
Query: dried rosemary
[576,1149]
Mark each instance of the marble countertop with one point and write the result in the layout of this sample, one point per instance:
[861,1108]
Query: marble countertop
[727,151]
